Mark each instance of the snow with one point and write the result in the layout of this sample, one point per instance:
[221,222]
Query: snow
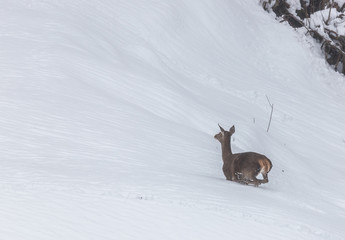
[294,6]
[340,2]
[329,18]
[336,23]
[109,111]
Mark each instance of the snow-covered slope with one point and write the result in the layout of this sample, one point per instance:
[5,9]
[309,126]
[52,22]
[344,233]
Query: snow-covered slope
[108,111]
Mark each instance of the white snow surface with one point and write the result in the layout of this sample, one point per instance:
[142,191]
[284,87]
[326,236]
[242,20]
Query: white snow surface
[109,108]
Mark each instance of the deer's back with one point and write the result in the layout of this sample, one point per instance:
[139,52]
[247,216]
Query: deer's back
[251,161]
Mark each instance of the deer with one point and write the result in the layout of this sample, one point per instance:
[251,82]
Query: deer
[242,167]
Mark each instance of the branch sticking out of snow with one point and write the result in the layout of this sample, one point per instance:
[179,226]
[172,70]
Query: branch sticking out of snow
[271,105]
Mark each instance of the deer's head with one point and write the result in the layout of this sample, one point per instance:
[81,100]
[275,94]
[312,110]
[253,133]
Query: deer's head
[223,134]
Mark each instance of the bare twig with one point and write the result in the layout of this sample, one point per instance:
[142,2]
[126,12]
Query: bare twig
[329,13]
[271,105]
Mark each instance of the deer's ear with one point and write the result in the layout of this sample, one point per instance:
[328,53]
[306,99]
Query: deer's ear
[221,129]
[232,129]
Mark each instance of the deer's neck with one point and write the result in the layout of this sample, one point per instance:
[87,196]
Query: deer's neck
[226,149]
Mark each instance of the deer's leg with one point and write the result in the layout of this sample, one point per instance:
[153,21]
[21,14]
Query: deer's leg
[265,178]
[243,182]
[250,178]
[256,182]
[240,179]
[253,180]
[234,176]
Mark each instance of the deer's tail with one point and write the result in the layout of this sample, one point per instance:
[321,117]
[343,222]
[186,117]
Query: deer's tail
[265,165]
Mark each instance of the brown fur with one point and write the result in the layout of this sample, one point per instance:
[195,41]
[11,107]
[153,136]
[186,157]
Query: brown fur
[242,167]
[265,164]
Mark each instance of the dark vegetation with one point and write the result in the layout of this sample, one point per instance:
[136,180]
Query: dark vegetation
[332,44]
